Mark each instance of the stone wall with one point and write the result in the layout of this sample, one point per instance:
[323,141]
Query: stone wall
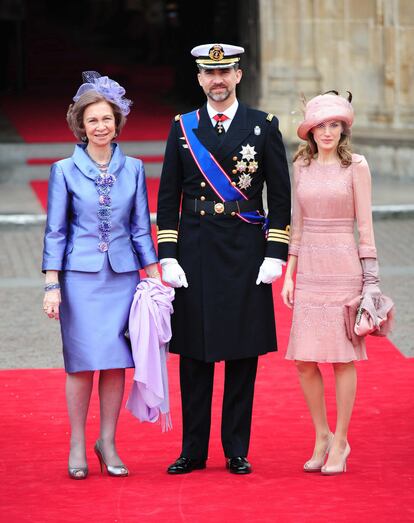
[364,46]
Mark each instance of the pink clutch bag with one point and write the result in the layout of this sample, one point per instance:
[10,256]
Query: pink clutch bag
[360,322]
[364,323]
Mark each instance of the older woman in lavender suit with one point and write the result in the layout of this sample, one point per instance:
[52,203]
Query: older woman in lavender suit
[97,237]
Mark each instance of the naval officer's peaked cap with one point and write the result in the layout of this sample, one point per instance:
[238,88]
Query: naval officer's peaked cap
[210,56]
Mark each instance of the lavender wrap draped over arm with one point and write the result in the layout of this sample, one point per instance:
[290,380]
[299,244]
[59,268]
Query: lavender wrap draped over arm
[150,332]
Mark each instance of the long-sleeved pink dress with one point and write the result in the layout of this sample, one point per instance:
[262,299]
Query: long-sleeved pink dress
[327,201]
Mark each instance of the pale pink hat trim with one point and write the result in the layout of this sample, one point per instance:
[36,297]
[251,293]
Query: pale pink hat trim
[325,107]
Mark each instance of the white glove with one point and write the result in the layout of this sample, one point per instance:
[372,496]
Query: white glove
[172,273]
[270,270]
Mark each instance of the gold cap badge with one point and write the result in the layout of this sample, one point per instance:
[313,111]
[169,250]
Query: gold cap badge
[216,53]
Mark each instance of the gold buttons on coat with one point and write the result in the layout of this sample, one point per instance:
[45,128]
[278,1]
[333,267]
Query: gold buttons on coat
[234,171]
[202,213]
[202,198]
[234,184]
[203,184]
[233,213]
[234,158]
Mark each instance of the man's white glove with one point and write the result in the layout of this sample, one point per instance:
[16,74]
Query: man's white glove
[172,273]
[270,270]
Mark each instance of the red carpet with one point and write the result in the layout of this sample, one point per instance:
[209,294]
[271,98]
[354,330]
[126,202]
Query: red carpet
[378,486]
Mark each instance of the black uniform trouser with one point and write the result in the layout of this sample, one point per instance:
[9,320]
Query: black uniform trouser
[196,379]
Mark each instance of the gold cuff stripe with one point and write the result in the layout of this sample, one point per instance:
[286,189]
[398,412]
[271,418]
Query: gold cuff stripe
[165,240]
[174,231]
[282,236]
[167,234]
[284,231]
[286,234]
[278,240]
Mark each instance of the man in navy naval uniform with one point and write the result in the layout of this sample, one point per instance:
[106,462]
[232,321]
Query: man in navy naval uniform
[221,252]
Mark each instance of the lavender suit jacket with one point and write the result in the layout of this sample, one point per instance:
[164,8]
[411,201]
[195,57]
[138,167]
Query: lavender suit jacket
[71,235]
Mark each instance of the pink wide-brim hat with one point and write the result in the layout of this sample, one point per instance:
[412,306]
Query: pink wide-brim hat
[323,108]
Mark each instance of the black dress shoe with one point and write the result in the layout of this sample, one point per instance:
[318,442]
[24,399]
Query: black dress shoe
[239,465]
[185,465]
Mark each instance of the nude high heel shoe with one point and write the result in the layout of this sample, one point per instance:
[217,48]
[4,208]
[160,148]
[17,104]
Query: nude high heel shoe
[340,467]
[315,465]
[112,470]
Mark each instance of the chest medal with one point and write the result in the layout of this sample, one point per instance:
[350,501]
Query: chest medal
[247,165]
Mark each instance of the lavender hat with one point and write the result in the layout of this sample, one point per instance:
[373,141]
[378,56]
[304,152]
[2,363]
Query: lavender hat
[108,88]
[325,107]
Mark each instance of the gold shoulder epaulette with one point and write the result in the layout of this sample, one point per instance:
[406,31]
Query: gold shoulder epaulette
[270,117]
[177,117]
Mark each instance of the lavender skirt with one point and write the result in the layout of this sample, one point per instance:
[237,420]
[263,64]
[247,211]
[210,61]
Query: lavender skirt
[94,317]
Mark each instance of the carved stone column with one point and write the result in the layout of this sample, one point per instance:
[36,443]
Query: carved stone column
[287,58]
[364,46]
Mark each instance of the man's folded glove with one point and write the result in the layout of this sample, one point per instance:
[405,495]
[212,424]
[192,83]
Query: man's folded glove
[270,270]
[172,273]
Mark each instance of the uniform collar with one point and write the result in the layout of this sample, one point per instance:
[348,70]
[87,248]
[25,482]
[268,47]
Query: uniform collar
[88,168]
[229,112]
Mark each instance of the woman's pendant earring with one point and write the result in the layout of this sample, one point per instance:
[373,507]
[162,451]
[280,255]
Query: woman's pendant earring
[84,139]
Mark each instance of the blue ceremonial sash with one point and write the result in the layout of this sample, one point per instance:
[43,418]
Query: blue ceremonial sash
[212,171]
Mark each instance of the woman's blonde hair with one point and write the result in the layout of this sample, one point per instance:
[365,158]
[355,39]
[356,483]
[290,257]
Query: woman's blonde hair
[76,110]
[308,152]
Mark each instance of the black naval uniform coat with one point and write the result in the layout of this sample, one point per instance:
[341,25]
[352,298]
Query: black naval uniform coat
[223,314]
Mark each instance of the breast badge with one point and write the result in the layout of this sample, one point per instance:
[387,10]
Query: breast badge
[245,181]
[245,167]
[241,166]
[248,153]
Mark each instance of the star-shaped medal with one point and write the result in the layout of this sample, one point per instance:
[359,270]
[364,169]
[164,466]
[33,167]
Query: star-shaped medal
[253,167]
[241,166]
[245,181]
[248,153]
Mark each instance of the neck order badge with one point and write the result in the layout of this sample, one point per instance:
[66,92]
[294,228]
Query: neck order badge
[219,118]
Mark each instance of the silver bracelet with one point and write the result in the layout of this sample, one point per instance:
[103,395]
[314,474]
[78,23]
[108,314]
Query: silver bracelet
[51,286]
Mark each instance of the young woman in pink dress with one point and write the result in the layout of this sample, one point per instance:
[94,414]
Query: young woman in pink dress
[332,190]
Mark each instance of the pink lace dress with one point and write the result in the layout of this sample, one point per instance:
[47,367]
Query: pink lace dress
[328,200]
